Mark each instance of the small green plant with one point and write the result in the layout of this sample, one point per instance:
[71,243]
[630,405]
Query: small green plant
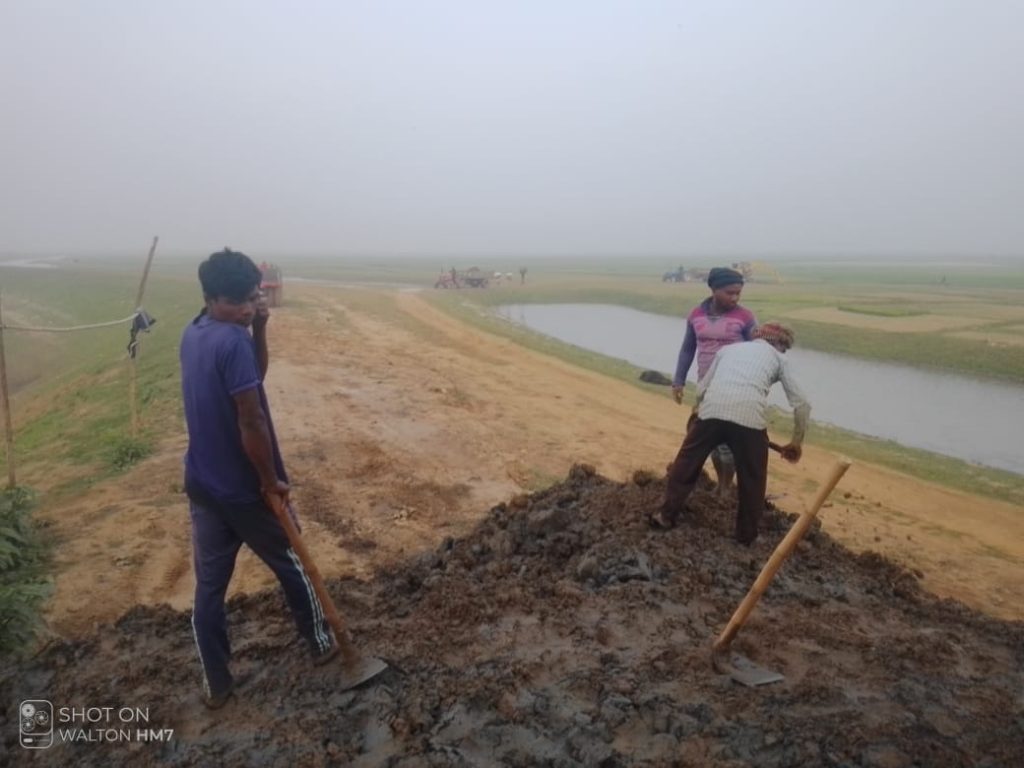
[129,451]
[23,584]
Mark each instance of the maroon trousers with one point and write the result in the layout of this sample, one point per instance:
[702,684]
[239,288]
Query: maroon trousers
[750,450]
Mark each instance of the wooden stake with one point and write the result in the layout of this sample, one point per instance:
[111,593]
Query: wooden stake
[132,373]
[145,274]
[8,429]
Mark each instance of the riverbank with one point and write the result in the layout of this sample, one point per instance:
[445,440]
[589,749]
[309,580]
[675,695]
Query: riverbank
[924,465]
[910,406]
[977,333]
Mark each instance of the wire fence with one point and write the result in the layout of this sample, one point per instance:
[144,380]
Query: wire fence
[140,321]
[70,328]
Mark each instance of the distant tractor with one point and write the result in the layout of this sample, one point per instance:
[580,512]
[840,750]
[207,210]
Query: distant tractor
[272,284]
[474,278]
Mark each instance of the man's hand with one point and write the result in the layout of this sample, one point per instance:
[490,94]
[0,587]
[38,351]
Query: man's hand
[693,418]
[259,320]
[276,490]
[792,452]
[677,394]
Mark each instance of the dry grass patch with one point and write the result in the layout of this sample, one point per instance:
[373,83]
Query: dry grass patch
[909,324]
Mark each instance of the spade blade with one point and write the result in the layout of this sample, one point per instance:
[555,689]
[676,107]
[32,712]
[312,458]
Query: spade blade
[744,671]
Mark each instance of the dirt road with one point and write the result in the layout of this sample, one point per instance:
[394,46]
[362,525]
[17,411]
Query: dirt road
[401,426]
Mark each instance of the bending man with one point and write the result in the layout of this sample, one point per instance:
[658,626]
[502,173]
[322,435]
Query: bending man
[732,400]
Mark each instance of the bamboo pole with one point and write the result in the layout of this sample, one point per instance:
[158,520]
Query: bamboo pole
[132,372]
[145,273]
[8,428]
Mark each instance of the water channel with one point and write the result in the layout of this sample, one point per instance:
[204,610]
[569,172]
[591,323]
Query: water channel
[954,415]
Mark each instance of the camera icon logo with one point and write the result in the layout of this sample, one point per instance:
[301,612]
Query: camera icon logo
[35,721]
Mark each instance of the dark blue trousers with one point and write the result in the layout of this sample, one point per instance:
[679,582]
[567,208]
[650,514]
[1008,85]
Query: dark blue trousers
[218,532]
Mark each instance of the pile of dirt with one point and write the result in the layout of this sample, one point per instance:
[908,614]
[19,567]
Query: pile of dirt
[564,632]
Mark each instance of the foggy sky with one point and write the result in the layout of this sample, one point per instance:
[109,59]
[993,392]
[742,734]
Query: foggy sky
[513,126]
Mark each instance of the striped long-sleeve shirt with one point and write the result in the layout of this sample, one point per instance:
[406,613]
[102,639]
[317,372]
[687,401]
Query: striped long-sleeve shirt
[736,386]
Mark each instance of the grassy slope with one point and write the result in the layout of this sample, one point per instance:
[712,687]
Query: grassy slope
[72,409]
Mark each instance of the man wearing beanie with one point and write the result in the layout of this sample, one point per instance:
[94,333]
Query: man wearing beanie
[715,323]
[732,400]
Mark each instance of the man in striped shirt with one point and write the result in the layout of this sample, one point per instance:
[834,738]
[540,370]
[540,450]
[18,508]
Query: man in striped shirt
[732,401]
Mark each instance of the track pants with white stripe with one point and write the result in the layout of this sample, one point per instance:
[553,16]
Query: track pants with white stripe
[218,532]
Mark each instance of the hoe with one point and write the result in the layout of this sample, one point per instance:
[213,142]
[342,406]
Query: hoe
[738,667]
[356,668]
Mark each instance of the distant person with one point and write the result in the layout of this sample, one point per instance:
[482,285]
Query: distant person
[233,466]
[522,275]
[732,400]
[715,323]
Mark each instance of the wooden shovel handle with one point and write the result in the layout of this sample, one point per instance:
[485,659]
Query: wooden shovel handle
[349,652]
[779,556]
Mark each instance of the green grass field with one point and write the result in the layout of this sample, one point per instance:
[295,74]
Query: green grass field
[70,405]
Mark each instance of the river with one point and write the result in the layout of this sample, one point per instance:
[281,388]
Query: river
[950,414]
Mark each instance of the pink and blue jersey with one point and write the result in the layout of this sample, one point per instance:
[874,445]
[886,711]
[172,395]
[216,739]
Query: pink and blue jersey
[706,334]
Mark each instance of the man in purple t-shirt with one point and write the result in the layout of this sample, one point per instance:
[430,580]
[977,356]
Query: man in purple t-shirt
[715,323]
[233,466]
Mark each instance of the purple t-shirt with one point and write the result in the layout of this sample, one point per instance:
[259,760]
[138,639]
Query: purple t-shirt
[218,361]
[706,334]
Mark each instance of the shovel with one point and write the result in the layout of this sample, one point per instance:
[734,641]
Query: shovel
[355,668]
[740,668]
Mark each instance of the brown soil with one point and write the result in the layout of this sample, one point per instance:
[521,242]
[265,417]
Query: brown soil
[561,632]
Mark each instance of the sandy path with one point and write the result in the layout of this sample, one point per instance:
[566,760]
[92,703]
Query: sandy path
[401,426]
